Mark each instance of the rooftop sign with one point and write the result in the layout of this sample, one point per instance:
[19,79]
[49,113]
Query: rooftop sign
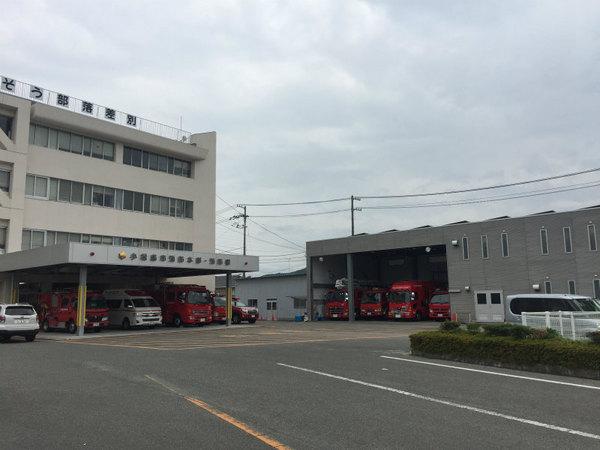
[86,108]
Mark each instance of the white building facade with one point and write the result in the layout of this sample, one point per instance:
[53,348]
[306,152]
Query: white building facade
[72,171]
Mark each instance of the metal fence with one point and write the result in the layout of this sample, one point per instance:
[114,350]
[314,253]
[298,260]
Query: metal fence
[86,108]
[571,325]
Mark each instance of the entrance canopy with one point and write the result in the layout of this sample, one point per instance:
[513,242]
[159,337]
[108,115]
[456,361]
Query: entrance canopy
[103,260]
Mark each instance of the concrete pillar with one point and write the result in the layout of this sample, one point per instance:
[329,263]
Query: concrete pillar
[81,300]
[350,276]
[228,296]
[309,288]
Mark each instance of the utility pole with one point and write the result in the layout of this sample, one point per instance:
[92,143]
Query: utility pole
[245,227]
[352,209]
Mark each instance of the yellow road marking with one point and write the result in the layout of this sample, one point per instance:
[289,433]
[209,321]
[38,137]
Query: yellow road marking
[226,418]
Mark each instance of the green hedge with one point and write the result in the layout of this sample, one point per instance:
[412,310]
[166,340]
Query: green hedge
[507,350]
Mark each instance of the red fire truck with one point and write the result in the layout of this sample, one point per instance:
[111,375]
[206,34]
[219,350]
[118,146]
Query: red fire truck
[410,299]
[374,304]
[59,311]
[184,304]
[239,311]
[336,301]
[439,305]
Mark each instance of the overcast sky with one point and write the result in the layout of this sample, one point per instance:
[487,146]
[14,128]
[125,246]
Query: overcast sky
[323,99]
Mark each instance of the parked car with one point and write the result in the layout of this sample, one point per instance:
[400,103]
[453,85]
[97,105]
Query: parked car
[132,308]
[18,320]
[439,306]
[240,312]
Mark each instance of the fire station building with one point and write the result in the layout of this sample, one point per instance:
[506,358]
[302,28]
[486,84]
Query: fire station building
[481,262]
[82,183]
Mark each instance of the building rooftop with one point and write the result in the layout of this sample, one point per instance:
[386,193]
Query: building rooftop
[87,108]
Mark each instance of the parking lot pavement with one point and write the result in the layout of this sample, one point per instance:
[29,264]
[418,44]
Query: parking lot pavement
[324,390]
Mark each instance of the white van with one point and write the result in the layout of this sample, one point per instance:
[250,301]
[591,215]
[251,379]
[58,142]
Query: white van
[132,308]
[516,304]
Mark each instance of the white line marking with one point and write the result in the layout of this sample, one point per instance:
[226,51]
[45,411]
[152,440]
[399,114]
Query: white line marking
[448,403]
[564,383]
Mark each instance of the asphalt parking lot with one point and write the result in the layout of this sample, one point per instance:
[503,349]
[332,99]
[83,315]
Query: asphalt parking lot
[297,385]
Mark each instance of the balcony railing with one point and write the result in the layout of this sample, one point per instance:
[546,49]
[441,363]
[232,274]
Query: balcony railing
[86,108]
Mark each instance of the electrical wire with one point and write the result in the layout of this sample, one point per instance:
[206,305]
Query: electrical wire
[484,188]
[311,202]
[322,213]
[537,193]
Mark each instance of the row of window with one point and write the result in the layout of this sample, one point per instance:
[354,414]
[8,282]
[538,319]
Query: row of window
[299,303]
[544,246]
[43,238]
[53,138]
[87,194]
[572,287]
[70,142]
[154,161]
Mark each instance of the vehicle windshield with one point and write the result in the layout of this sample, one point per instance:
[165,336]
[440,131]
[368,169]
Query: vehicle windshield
[337,296]
[220,301]
[440,298]
[399,297]
[19,311]
[197,298]
[96,302]
[144,302]
[372,298]
[238,303]
[586,304]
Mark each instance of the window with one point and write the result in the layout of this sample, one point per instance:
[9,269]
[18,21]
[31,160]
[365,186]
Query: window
[596,288]
[3,231]
[77,192]
[37,238]
[504,242]
[36,186]
[592,237]
[64,191]
[544,241]
[465,247]
[271,304]
[70,142]
[189,209]
[495,298]
[547,287]
[571,285]
[299,303]
[138,201]
[98,196]
[253,302]
[128,200]
[481,299]
[4,180]
[6,125]
[154,161]
[567,239]
[41,136]
[53,190]
[62,238]
[26,240]
[50,237]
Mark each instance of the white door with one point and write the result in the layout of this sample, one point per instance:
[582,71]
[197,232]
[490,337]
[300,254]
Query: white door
[489,306]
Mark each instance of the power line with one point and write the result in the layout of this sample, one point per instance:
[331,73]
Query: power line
[234,230]
[322,213]
[311,202]
[489,199]
[275,234]
[485,188]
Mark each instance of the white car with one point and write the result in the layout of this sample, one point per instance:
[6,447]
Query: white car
[18,319]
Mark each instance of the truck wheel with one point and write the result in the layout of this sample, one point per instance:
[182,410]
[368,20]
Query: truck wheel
[97,330]
[46,326]
[126,325]
[176,321]
[236,319]
[71,327]
[30,338]
[252,321]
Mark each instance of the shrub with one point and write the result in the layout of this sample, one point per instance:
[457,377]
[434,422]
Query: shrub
[594,337]
[449,325]
[474,328]
[501,349]
[507,329]
[544,333]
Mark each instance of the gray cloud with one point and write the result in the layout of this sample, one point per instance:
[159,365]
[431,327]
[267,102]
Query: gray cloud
[321,99]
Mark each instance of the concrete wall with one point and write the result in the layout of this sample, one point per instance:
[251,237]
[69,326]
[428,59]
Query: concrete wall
[517,273]
[282,288]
